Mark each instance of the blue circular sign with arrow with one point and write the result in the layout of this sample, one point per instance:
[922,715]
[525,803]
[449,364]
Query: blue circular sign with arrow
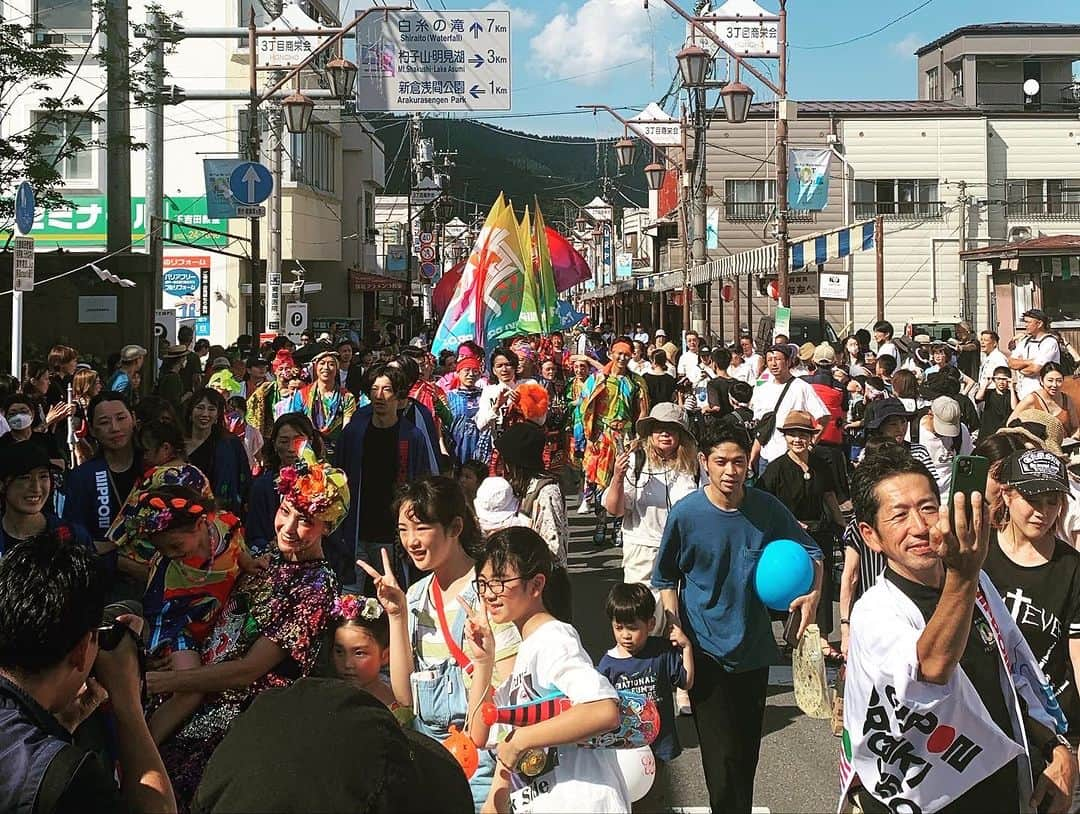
[24,208]
[251,183]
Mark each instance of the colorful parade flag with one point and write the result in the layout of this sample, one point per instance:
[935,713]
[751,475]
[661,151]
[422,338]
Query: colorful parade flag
[568,265]
[545,274]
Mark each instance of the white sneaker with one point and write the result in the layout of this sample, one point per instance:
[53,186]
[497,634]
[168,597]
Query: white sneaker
[584,508]
[682,702]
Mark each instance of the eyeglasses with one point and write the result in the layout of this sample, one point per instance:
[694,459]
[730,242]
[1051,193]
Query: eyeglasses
[495,586]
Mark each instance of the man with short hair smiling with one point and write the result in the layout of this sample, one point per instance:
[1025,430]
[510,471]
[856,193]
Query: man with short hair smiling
[1033,350]
[781,394]
[940,713]
[704,569]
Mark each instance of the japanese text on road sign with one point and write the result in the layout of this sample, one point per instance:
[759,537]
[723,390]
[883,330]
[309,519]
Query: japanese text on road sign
[434,60]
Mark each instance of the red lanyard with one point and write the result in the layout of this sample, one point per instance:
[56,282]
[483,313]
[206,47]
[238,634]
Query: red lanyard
[455,651]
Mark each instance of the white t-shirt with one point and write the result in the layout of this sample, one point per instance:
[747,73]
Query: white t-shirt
[941,458]
[690,367]
[754,360]
[800,396]
[646,503]
[746,372]
[552,660]
[642,337]
[1069,522]
[890,349]
[990,362]
[1042,350]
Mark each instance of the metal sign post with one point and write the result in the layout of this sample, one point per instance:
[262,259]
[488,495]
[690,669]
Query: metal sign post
[22,281]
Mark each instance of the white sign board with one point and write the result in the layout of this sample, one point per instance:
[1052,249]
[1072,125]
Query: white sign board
[23,263]
[657,127]
[97,310]
[744,31]
[273,301]
[165,325]
[289,49]
[296,320]
[433,61]
[427,191]
[833,286]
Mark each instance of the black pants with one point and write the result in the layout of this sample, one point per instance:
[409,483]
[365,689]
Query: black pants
[729,711]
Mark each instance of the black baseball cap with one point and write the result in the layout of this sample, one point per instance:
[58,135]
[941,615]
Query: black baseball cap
[1037,313]
[1035,472]
[878,411]
[24,457]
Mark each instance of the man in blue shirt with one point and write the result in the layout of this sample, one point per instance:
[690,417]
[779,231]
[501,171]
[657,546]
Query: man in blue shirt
[705,572]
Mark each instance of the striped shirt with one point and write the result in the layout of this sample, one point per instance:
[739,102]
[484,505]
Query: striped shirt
[871,563]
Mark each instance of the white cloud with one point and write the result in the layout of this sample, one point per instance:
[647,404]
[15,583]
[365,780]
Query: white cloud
[907,47]
[520,18]
[600,34]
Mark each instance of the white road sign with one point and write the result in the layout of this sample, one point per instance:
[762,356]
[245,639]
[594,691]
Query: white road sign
[288,49]
[744,31]
[23,263]
[434,61]
[425,192]
[657,127]
[296,320]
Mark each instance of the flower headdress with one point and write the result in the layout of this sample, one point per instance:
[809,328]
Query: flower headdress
[158,511]
[314,488]
[348,607]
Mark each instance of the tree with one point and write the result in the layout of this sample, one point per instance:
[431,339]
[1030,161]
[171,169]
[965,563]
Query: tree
[37,152]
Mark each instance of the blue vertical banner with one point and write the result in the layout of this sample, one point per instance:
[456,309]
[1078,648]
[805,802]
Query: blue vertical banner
[609,257]
[220,202]
[808,179]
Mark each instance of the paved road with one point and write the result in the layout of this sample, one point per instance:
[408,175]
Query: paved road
[798,768]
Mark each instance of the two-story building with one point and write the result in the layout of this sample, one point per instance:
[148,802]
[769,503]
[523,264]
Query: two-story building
[330,173]
[989,149]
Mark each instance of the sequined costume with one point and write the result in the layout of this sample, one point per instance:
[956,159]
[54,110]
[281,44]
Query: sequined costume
[289,604]
[610,408]
[329,414]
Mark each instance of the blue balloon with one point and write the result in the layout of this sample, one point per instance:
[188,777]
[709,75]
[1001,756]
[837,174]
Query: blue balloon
[784,573]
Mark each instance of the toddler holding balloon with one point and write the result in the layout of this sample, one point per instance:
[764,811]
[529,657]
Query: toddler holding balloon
[541,767]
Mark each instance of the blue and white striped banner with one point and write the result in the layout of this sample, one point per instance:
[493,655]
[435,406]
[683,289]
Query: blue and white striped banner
[813,251]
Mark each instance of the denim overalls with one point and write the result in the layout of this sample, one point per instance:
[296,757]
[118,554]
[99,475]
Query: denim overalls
[440,697]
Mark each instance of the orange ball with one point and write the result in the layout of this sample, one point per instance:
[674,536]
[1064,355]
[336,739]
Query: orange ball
[463,749]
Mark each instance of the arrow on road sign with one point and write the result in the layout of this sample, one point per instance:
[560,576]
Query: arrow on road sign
[251,178]
[477,61]
[476,29]
[477,91]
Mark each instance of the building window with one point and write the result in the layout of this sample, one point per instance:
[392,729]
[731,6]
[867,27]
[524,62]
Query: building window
[958,80]
[69,150]
[933,85]
[314,159]
[907,197]
[1043,198]
[63,21]
[749,199]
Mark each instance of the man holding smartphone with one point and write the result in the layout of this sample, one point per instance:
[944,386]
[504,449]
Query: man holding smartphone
[938,673]
[57,662]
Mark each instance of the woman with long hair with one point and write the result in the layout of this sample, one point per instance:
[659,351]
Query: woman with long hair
[281,449]
[1036,573]
[852,357]
[36,381]
[522,450]
[429,670]
[216,451]
[85,384]
[1051,398]
[62,361]
[659,380]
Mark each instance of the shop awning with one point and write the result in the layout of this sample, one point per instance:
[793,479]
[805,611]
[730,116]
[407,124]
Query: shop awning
[609,290]
[810,250]
[1049,246]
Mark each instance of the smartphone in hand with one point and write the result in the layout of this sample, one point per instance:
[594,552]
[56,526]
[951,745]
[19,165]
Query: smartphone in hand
[969,475]
[791,628]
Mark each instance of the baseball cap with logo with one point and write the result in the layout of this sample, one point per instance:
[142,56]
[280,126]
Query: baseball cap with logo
[1035,472]
[824,354]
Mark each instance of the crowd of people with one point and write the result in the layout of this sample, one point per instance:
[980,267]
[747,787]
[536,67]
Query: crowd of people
[197,559]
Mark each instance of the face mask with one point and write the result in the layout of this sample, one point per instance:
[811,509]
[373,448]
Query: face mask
[20,421]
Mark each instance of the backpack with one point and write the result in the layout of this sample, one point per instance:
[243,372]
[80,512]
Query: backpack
[1065,357]
[528,503]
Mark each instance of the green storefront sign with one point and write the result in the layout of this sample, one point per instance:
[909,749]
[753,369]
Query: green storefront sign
[84,225]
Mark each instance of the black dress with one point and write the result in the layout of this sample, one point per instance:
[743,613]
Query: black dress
[661,387]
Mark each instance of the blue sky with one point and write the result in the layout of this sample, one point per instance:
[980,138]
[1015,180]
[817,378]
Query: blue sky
[614,52]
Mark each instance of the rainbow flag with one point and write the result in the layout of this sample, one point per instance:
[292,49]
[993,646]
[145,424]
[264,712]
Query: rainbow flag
[545,274]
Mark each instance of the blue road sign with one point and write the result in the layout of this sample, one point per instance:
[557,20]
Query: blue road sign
[24,208]
[251,183]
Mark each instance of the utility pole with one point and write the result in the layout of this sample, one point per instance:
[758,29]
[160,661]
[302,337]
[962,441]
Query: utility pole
[254,149]
[272,280]
[698,254]
[155,170]
[781,163]
[118,129]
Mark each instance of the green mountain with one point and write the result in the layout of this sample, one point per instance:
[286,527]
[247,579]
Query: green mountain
[522,165]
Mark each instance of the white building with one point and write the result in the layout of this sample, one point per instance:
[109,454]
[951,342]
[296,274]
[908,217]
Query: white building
[326,199]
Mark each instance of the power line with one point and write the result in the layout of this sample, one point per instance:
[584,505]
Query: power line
[868,34]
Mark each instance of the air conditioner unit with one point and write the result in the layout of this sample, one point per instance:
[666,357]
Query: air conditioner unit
[1019,233]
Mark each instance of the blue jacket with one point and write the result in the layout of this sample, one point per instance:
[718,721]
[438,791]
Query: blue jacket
[89,498]
[426,426]
[416,461]
[51,522]
[263,504]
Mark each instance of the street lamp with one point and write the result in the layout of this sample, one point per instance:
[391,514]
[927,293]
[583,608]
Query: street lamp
[693,65]
[654,176]
[737,97]
[581,223]
[342,76]
[624,152]
[298,109]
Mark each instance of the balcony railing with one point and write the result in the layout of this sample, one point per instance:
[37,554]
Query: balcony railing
[1043,210]
[902,210]
[761,211]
